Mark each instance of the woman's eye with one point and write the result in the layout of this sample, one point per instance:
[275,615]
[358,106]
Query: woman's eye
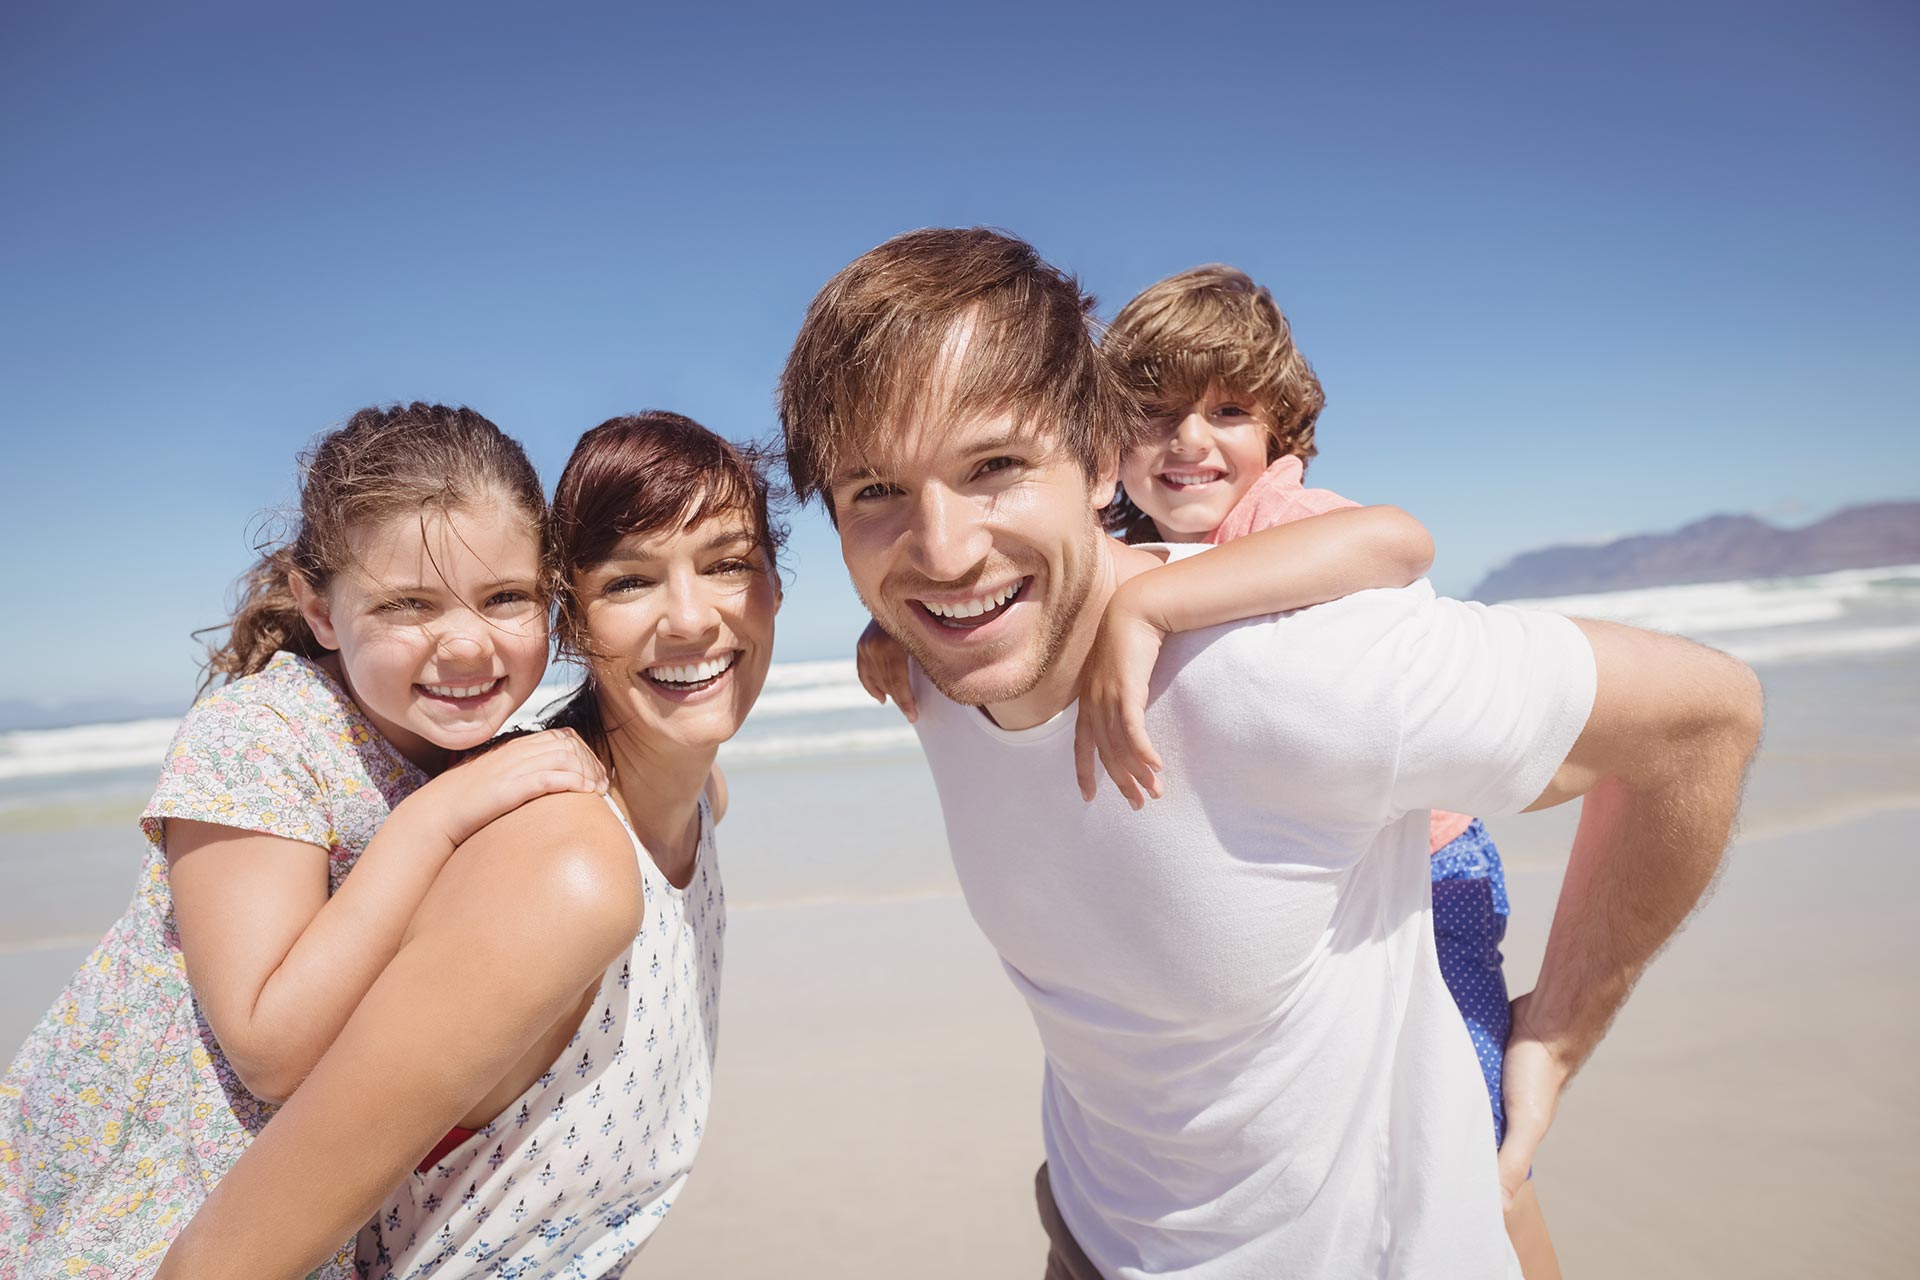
[508,598]
[732,566]
[631,582]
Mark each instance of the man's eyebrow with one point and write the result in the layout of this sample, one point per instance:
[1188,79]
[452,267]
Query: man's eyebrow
[858,473]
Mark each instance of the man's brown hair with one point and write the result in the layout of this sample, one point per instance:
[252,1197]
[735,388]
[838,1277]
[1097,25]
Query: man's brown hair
[872,354]
[1214,324]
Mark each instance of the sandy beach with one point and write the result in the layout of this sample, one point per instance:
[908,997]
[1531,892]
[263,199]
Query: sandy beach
[877,1105]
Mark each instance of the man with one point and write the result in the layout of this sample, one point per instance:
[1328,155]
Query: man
[1253,1066]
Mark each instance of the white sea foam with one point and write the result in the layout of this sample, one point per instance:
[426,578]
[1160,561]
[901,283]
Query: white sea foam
[1717,608]
[87,748]
[821,746]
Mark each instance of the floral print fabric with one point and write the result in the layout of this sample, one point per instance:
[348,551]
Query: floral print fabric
[120,1112]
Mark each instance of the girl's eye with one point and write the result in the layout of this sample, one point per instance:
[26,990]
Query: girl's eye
[404,605]
[508,598]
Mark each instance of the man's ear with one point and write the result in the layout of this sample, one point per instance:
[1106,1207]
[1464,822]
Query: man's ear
[315,611]
[1106,482]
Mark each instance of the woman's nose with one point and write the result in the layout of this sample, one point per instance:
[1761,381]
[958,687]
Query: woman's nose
[690,610]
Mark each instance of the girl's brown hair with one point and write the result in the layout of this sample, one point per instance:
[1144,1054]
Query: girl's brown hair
[646,473]
[1210,325]
[415,459]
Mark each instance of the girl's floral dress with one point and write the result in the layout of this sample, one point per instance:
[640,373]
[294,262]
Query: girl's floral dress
[120,1112]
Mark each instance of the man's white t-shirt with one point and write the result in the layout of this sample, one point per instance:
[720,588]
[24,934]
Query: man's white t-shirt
[1253,1065]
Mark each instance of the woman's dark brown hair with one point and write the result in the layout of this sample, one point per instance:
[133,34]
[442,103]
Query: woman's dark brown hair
[404,460]
[646,473]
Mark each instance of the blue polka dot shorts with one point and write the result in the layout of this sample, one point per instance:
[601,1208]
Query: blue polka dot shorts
[1469,923]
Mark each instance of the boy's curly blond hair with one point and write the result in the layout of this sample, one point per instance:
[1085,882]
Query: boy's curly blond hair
[1214,324]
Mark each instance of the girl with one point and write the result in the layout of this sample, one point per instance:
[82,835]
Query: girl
[403,622]
[554,999]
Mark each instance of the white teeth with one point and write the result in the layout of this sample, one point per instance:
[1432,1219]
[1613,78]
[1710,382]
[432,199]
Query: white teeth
[1190,477]
[975,607]
[693,674]
[459,690]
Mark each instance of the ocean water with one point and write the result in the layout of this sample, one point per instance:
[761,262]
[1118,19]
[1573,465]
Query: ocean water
[831,799]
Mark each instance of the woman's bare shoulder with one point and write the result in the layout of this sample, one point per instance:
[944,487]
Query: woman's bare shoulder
[562,861]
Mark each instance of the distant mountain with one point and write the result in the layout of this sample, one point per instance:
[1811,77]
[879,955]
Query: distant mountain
[1717,549]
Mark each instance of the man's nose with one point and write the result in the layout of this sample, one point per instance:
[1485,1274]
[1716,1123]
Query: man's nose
[949,537]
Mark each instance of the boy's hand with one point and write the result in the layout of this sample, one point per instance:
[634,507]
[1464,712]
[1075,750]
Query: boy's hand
[1113,705]
[1530,1084]
[882,663]
[475,792]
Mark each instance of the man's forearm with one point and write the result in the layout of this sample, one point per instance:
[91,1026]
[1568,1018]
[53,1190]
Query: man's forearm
[1646,851]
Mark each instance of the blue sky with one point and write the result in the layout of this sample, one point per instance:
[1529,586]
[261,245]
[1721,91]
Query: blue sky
[1564,275]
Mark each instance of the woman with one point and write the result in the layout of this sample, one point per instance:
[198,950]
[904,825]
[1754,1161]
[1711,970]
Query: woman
[525,1087]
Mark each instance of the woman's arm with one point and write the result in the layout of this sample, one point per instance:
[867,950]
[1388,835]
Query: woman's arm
[508,939]
[1289,566]
[276,964]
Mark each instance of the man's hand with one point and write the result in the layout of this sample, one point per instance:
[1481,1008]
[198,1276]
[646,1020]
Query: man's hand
[1531,1081]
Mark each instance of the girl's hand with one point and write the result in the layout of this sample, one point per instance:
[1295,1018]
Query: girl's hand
[488,786]
[882,664]
[1113,704]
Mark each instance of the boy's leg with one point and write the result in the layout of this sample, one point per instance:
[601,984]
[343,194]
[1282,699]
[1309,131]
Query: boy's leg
[1527,1229]
[1469,923]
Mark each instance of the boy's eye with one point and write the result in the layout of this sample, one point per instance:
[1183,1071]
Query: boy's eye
[1230,411]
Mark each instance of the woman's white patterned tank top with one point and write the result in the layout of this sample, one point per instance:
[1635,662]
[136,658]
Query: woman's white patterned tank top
[573,1177]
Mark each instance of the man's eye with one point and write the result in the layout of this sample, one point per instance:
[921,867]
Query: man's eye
[872,491]
[998,464]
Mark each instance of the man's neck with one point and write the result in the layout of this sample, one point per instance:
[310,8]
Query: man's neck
[1061,683]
